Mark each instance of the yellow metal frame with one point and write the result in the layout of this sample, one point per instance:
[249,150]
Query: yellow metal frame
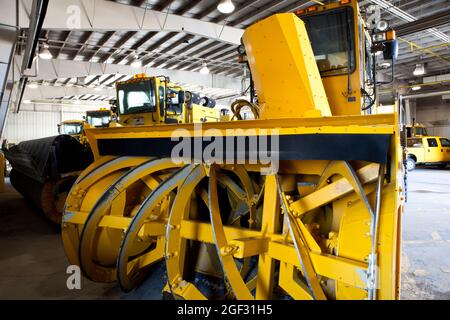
[358,259]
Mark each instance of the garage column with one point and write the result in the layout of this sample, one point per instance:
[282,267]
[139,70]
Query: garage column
[410,109]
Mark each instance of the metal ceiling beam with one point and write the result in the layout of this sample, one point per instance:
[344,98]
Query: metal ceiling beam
[49,70]
[118,45]
[163,4]
[147,37]
[428,22]
[106,37]
[103,15]
[207,10]
[239,7]
[159,61]
[84,39]
[188,6]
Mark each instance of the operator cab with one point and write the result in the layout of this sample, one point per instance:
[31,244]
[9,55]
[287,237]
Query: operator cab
[70,128]
[99,119]
[154,100]
[346,53]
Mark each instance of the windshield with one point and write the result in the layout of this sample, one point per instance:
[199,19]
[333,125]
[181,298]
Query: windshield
[71,129]
[332,38]
[421,131]
[445,143]
[137,97]
[98,119]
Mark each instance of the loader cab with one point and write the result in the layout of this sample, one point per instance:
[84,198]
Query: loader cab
[71,128]
[344,52]
[99,119]
[155,101]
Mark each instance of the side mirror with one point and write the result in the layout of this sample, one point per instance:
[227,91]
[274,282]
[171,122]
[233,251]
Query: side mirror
[390,51]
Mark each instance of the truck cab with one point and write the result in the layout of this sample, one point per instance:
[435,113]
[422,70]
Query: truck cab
[147,100]
[416,130]
[426,150]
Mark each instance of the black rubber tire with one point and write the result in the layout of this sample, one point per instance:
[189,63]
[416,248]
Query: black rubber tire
[410,164]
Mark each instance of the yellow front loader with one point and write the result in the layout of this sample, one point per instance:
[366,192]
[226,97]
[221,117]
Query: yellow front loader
[303,202]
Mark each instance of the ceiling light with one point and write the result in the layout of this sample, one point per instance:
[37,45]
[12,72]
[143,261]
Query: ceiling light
[204,69]
[420,69]
[32,85]
[98,88]
[385,64]
[382,25]
[226,6]
[45,53]
[416,88]
[136,63]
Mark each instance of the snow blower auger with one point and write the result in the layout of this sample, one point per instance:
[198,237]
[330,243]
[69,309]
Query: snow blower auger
[303,203]
[109,193]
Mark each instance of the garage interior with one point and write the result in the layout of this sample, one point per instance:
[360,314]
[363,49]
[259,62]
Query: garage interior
[62,59]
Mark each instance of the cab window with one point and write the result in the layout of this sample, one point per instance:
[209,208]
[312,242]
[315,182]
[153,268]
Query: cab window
[137,97]
[421,131]
[432,143]
[415,143]
[445,143]
[332,38]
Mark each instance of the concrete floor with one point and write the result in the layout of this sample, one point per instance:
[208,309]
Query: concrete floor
[33,264]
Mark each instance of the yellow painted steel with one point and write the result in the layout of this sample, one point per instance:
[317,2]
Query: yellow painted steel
[316,229]
[164,91]
[281,78]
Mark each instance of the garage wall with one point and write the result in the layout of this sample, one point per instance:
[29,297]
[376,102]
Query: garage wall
[434,112]
[36,121]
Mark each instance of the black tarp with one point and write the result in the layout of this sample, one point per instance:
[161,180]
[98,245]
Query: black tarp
[48,157]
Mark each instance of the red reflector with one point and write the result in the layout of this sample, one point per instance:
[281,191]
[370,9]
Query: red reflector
[312,9]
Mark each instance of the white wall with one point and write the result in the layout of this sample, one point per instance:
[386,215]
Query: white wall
[36,121]
[435,114]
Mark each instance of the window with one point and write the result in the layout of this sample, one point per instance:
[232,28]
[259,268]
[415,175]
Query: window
[421,131]
[432,143]
[71,128]
[137,97]
[99,121]
[445,143]
[415,143]
[333,40]
[409,133]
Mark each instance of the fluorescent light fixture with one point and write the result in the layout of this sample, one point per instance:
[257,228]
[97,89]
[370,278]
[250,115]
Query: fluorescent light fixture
[204,69]
[420,70]
[226,6]
[98,88]
[136,63]
[32,85]
[385,64]
[416,88]
[45,53]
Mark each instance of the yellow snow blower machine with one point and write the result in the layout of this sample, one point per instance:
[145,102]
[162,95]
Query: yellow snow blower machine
[304,202]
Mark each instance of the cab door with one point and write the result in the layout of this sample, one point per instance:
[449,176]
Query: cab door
[445,149]
[416,148]
[433,151]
